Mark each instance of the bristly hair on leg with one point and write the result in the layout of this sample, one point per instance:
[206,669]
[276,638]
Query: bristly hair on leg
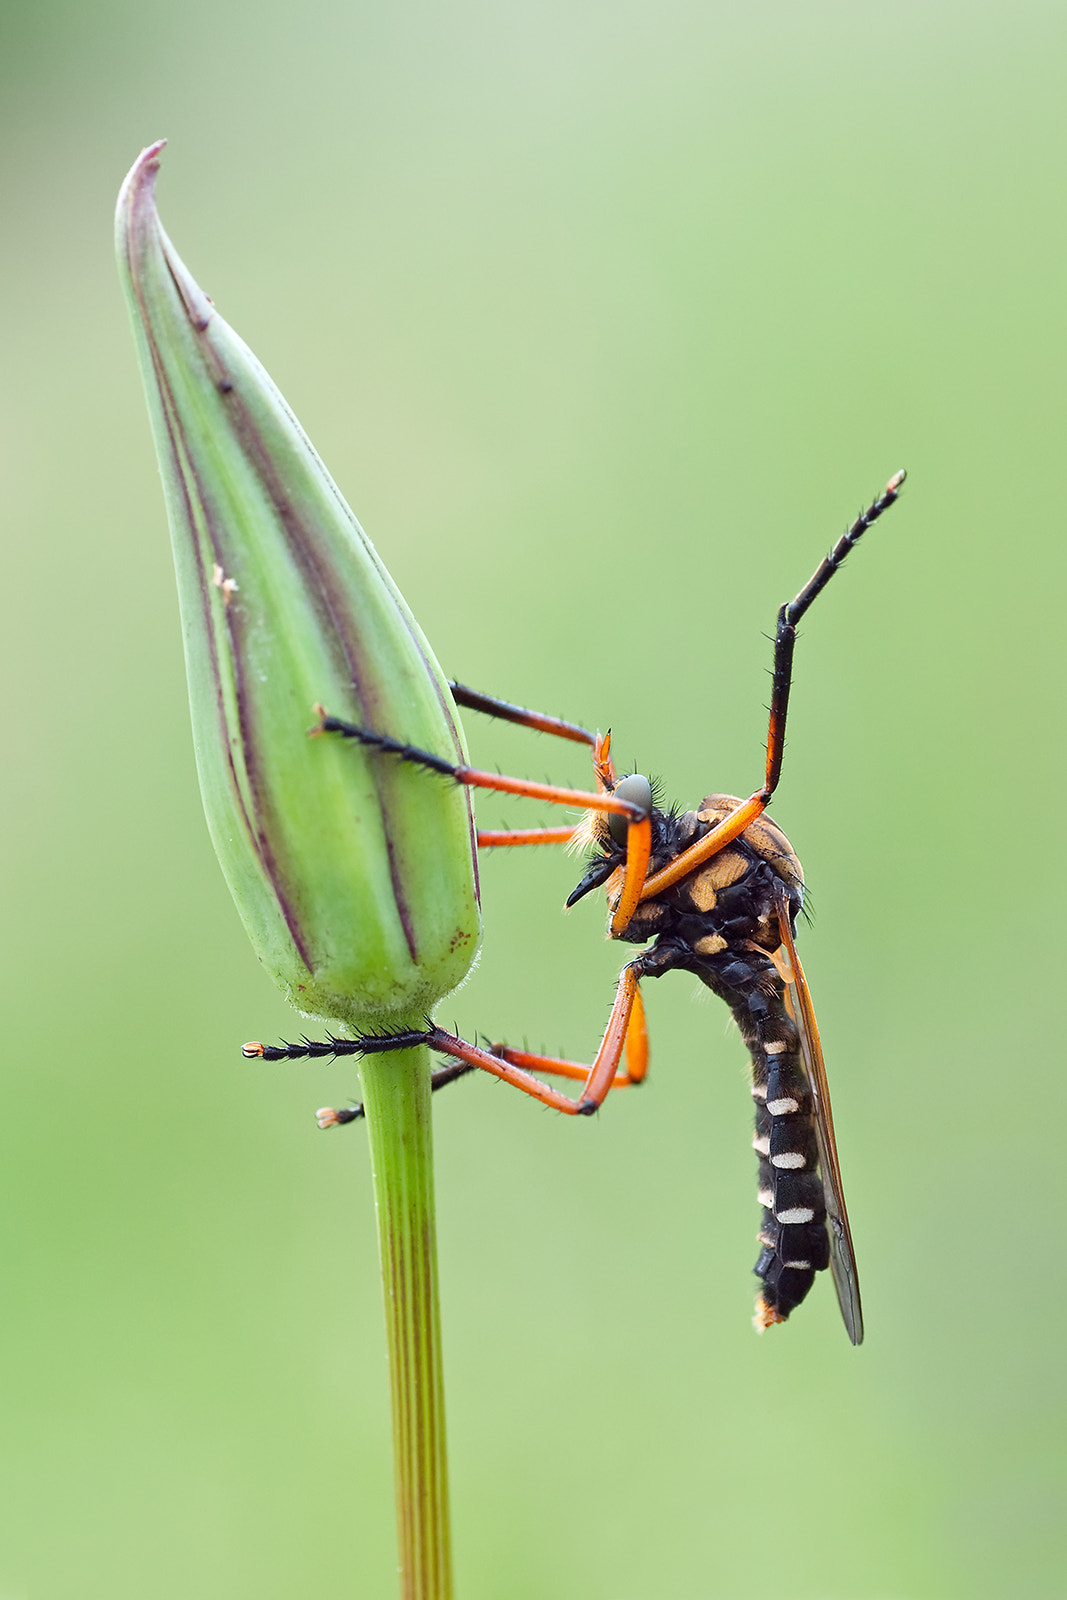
[364,1044]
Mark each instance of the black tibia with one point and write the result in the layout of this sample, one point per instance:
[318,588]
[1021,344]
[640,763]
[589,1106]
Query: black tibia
[791,613]
[391,747]
[795,609]
[365,1044]
[439,1077]
[490,706]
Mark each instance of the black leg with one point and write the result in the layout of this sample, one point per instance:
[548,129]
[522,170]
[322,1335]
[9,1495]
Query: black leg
[490,706]
[439,1077]
[790,615]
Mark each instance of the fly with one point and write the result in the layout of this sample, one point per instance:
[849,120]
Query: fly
[714,892]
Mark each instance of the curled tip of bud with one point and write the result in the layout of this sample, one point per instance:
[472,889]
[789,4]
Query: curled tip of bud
[143,172]
[251,1049]
[327,1117]
[896,480]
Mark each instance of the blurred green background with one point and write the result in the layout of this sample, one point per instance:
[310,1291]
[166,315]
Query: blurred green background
[607,318]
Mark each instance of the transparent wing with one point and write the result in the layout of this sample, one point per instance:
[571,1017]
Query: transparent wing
[842,1255]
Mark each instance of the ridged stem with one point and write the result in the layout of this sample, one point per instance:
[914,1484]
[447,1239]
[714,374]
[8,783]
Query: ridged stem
[396,1096]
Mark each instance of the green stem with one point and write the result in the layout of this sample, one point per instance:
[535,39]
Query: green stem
[396,1096]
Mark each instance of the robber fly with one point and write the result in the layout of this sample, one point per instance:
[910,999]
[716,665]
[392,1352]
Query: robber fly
[717,892]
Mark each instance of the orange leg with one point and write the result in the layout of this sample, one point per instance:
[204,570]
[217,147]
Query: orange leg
[602,762]
[705,848]
[475,778]
[605,781]
[626,1031]
[638,850]
[491,838]
[636,1055]
[598,1078]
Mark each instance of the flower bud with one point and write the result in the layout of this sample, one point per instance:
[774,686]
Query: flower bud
[354,873]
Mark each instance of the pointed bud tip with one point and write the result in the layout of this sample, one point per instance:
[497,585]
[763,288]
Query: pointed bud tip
[151,267]
[140,181]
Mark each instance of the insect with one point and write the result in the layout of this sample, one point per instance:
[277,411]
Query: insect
[717,892]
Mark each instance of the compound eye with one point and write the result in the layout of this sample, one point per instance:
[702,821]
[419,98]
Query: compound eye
[638,791]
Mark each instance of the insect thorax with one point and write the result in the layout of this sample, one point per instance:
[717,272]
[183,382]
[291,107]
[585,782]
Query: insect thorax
[727,901]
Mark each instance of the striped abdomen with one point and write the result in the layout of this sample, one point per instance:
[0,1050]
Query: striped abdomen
[793,1233]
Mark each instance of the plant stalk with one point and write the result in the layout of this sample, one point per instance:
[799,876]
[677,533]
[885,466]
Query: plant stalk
[396,1098]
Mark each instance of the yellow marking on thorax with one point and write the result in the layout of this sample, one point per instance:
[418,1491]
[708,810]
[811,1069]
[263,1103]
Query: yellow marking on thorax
[762,836]
[718,873]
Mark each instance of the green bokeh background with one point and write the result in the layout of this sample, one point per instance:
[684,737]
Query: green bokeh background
[607,317]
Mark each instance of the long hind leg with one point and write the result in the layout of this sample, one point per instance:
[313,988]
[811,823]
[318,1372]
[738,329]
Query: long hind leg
[626,1032]
[784,643]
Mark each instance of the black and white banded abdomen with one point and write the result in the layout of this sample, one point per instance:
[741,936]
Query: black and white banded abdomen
[793,1235]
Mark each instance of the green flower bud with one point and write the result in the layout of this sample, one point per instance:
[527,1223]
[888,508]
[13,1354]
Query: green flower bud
[354,874]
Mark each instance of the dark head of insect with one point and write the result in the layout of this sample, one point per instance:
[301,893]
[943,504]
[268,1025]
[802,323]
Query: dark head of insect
[714,892]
